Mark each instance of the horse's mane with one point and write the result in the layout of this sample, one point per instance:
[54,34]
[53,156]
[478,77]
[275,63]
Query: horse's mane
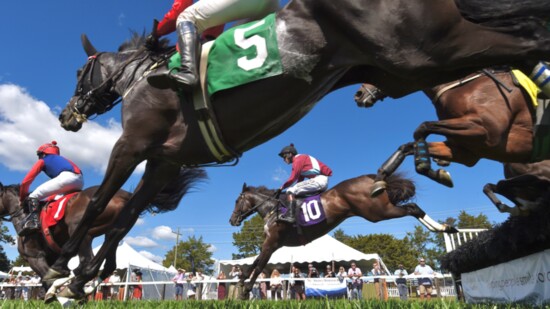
[14,187]
[169,198]
[138,40]
[399,188]
[262,190]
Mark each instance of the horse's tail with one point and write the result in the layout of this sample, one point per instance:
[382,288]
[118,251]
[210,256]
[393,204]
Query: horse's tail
[399,188]
[508,12]
[169,198]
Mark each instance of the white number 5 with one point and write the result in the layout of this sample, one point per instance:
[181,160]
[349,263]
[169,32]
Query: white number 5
[245,43]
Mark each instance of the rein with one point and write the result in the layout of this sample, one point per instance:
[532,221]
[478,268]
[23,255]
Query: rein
[9,217]
[242,216]
[101,94]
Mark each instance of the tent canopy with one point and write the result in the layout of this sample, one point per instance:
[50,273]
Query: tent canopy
[322,250]
[126,255]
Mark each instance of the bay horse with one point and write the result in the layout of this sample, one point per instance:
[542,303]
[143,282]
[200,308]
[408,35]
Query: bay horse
[526,185]
[347,199]
[40,256]
[483,115]
[322,45]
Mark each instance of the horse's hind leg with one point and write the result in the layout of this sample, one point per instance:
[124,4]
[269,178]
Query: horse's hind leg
[423,165]
[157,175]
[389,167]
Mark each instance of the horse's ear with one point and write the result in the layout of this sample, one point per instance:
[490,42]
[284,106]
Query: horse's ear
[1,187]
[244,186]
[88,47]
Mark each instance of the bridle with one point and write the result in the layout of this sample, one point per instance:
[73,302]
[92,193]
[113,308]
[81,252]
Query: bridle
[103,96]
[9,217]
[243,215]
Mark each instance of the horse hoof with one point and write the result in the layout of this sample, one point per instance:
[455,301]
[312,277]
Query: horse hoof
[53,275]
[65,302]
[68,293]
[444,178]
[450,229]
[378,188]
[49,298]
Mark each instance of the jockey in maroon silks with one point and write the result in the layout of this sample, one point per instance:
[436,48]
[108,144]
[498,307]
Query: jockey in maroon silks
[308,175]
[191,20]
[65,176]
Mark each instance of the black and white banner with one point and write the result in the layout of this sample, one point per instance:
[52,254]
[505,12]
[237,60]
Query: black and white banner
[523,280]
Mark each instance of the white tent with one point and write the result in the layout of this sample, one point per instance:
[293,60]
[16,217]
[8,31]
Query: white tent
[322,250]
[4,275]
[126,255]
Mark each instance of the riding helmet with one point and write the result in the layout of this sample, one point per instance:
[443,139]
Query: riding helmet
[288,149]
[49,148]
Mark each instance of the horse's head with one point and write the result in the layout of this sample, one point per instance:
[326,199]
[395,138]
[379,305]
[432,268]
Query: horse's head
[94,92]
[9,200]
[243,206]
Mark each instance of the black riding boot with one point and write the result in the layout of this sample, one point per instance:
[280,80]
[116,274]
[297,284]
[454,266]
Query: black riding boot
[31,224]
[187,76]
[290,216]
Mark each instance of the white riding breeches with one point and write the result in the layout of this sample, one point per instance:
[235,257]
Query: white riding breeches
[210,13]
[317,184]
[65,182]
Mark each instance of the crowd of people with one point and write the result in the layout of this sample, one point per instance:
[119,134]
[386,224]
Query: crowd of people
[24,287]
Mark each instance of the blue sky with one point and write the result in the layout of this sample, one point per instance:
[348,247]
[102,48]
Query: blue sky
[41,52]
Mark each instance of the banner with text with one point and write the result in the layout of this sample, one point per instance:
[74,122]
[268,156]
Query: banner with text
[525,279]
[325,287]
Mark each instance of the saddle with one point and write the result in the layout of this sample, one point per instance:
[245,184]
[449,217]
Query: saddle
[309,209]
[52,212]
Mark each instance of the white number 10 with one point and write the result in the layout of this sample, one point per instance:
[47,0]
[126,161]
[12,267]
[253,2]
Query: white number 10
[311,210]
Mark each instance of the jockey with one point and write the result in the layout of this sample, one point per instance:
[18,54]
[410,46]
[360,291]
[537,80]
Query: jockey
[193,20]
[310,175]
[65,177]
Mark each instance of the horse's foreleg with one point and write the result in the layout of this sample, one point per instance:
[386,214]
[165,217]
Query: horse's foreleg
[157,175]
[85,254]
[389,167]
[269,246]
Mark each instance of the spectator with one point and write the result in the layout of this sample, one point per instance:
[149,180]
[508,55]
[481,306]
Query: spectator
[379,283]
[105,290]
[299,285]
[425,282]
[199,277]
[234,274]
[179,280]
[24,282]
[255,288]
[401,282]
[355,274]
[276,285]
[36,289]
[342,275]
[312,272]
[329,273]
[114,279]
[263,286]
[221,286]
[191,291]
[138,288]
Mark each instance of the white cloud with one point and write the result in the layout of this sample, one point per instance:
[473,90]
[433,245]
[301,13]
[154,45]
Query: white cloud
[151,256]
[140,221]
[141,241]
[26,123]
[121,19]
[280,174]
[167,233]
[212,248]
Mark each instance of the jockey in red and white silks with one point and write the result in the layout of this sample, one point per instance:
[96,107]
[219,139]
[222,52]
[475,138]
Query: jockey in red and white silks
[309,175]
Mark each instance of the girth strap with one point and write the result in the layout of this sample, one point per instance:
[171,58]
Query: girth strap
[206,119]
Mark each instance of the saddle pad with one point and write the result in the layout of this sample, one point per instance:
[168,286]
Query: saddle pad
[528,85]
[244,54]
[311,211]
[55,210]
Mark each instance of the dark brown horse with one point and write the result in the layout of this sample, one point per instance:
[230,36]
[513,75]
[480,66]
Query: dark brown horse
[347,199]
[40,256]
[484,115]
[322,45]
[526,185]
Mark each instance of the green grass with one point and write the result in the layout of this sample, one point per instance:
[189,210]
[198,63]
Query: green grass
[264,304]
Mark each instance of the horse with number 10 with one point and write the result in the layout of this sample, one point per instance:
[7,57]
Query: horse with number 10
[347,199]
[312,47]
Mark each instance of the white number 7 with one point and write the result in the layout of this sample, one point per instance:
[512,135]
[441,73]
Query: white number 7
[245,43]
